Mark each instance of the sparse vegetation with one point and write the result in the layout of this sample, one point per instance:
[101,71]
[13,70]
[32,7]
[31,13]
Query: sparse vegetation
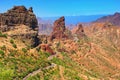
[22,69]
[2,53]
[24,50]
[3,35]
[11,41]
[6,74]
[14,45]
[3,47]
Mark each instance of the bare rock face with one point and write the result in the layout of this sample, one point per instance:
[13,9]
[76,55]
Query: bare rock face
[47,48]
[19,15]
[59,30]
[24,34]
[79,31]
[20,23]
[59,25]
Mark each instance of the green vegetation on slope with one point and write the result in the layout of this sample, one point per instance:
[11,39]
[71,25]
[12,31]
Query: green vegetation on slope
[17,65]
[3,35]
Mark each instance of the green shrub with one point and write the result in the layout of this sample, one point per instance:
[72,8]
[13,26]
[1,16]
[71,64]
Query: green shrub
[3,47]
[58,61]
[11,41]
[14,45]
[77,78]
[28,47]
[6,74]
[24,50]
[47,54]
[45,64]
[2,52]
[13,52]
[3,35]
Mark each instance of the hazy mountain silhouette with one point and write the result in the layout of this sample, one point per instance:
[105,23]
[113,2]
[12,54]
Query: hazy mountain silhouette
[75,19]
[114,19]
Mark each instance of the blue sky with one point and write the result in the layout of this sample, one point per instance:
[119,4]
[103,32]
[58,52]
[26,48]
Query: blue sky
[48,8]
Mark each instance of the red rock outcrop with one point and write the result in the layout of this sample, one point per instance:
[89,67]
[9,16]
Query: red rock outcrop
[79,31]
[59,30]
[47,48]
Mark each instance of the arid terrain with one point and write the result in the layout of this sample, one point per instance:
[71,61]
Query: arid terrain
[87,52]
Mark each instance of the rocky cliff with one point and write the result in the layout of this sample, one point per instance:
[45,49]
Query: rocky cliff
[19,15]
[20,23]
[59,30]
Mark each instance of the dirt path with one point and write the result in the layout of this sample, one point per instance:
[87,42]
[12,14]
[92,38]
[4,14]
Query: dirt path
[51,57]
[38,71]
[61,72]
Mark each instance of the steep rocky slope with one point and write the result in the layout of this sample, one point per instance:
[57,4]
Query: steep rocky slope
[18,59]
[20,23]
[114,19]
[98,52]
[25,34]
[78,31]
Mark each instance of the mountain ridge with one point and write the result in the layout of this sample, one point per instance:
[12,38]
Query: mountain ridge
[114,19]
[76,19]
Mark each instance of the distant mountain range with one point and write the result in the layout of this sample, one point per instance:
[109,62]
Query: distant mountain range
[45,26]
[114,19]
[46,23]
[74,19]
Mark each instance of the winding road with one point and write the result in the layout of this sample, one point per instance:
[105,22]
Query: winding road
[38,71]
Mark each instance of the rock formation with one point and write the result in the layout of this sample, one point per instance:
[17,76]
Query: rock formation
[19,15]
[20,23]
[46,48]
[79,31]
[59,30]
